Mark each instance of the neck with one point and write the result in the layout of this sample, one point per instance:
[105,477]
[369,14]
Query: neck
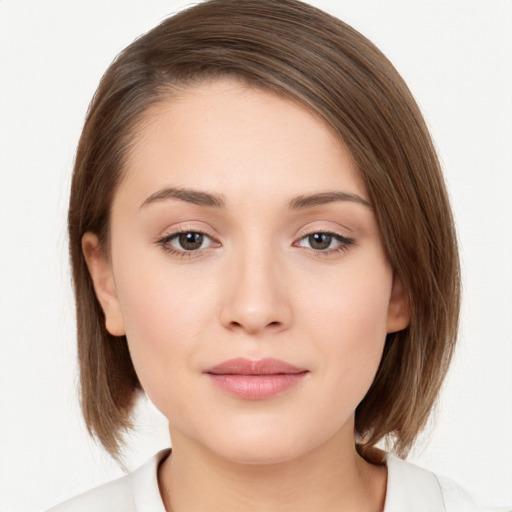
[332,477]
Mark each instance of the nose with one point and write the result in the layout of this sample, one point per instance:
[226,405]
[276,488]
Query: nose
[256,298]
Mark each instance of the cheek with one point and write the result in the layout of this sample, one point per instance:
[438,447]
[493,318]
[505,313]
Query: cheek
[353,302]
[165,315]
[348,322]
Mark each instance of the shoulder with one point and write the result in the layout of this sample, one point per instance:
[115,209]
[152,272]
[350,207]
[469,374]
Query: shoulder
[116,495]
[122,495]
[413,488]
[458,499]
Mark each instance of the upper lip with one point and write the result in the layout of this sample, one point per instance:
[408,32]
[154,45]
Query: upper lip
[242,366]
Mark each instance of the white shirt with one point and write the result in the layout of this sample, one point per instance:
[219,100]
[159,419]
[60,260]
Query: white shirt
[409,489]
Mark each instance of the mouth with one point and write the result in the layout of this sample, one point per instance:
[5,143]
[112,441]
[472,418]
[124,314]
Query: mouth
[255,380]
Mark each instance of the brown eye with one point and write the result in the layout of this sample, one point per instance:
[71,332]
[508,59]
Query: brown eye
[190,241]
[320,241]
[186,242]
[325,242]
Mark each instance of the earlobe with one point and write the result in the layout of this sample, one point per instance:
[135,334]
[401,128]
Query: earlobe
[100,271]
[399,309]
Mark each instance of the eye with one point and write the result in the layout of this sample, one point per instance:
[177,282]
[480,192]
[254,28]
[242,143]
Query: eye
[325,242]
[190,241]
[186,242]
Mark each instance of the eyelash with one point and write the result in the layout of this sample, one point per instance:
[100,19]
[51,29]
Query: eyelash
[165,243]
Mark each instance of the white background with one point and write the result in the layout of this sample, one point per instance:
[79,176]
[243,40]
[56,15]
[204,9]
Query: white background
[455,55]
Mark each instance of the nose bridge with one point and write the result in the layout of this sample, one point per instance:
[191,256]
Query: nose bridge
[257,298]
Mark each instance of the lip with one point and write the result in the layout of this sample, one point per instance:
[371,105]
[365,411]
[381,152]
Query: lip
[255,380]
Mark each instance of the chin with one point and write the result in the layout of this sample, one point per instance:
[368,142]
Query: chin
[258,453]
[264,444]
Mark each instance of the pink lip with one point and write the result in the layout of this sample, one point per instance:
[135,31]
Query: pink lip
[255,380]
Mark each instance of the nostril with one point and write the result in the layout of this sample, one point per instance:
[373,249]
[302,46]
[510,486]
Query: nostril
[241,325]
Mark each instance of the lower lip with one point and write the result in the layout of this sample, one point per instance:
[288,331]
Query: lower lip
[256,387]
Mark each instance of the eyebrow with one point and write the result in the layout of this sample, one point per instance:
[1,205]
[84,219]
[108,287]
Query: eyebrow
[207,199]
[310,201]
[196,197]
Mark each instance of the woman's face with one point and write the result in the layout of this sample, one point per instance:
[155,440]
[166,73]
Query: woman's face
[247,271]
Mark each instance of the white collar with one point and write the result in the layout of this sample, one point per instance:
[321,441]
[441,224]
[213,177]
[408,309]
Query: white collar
[411,488]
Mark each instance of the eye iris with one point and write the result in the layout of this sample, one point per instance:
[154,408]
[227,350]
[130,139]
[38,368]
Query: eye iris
[320,240]
[191,241]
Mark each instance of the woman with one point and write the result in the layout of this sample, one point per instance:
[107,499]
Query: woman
[262,242]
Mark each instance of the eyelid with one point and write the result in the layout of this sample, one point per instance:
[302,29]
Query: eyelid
[186,227]
[328,227]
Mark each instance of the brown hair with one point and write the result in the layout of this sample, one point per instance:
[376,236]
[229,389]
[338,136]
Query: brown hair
[302,53]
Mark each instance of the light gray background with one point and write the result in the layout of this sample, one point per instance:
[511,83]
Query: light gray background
[456,57]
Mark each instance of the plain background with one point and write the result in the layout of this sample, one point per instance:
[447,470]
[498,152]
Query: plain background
[456,57]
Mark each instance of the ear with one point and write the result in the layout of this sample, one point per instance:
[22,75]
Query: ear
[399,309]
[100,270]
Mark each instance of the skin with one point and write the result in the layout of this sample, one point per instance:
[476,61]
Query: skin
[258,287]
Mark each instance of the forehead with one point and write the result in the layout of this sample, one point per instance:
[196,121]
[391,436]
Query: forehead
[227,136]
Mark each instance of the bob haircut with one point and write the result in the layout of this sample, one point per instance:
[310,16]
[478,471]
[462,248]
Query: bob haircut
[307,56]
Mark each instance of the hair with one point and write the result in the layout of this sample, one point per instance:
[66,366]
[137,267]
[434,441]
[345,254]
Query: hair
[301,53]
